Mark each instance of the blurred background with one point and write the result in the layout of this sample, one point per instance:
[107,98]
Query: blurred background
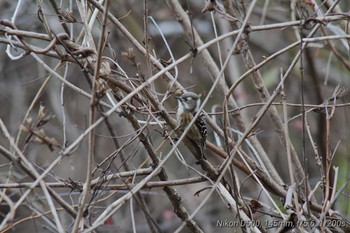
[322,71]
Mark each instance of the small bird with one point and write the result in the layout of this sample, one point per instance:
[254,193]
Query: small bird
[188,106]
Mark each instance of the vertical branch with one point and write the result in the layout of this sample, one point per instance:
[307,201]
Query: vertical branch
[328,160]
[303,137]
[83,207]
[146,37]
[64,132]
[289,156]
[227,135]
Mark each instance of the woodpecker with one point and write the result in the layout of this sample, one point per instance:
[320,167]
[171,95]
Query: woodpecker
[188,106]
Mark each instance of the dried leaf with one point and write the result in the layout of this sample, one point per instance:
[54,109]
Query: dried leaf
[43,118]
[130,55]
[41,133]
[41,113]
[53,141]
[105,69]
[37,140]
[24,128]
[29,120]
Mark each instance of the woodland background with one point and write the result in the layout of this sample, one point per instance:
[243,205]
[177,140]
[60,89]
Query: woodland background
[87,114]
